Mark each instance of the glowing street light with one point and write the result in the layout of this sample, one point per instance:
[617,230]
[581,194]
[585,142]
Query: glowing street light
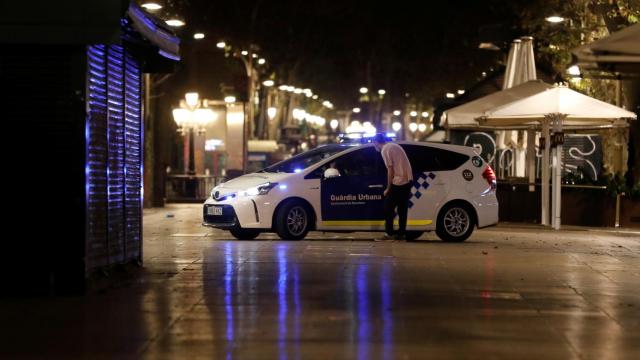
[574,70]
[244,52]
[192,99]
[422,127]
[221,45]
[364,90]
[356,110]
[230,99]
[382,92]
[268,83]
[334,124]
[396,126]
[555,19]
[451,95]
[413,113]
[397,112]
[198,36]
[175,22]
[425,114]
[262,61]
[460,92]
[413,127]
[271,113]
[151,6]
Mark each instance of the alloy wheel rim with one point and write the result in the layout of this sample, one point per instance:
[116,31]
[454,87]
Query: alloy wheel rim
[296,220]
[456,221]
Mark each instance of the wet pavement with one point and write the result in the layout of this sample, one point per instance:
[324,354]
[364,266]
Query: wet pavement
[507,292]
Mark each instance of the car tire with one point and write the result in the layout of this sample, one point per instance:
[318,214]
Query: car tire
[293,221]
[455,222]
[244,234]
[413,235]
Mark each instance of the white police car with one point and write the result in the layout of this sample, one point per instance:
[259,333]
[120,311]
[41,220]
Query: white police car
[453,192]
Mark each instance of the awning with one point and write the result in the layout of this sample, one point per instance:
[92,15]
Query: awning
[575,108]
[619,52]
[155,32]
[464,116]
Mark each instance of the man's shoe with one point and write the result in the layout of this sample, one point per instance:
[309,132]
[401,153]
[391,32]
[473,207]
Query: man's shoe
[386,237]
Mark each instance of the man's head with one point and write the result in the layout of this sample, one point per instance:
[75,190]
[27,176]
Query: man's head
[378,141]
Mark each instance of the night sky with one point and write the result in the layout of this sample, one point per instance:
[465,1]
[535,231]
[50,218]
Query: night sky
[334,47]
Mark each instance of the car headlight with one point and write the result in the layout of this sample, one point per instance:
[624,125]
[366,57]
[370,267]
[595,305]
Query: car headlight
[261,189]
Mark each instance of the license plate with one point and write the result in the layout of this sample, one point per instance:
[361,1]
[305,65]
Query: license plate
[214,210]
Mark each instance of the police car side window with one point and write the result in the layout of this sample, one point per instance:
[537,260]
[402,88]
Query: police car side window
[422,158]
[425,158]
[363,162]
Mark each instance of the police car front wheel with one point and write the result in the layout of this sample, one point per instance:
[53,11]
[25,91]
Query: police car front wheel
[293,220]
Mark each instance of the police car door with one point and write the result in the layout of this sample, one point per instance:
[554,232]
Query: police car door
[353,200]
[428,190]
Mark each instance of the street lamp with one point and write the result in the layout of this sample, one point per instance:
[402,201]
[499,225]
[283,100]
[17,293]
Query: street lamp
[198,36]
[192,115]
[333,124]
[413,127]
[425,114]
[555,19]
[396,126]
[221,45]
[397,112]
[268,83]
[175,22]
[413,113]
[151,6]
[381,92]
[422,127]
[364,90]
[356,110]
[271,113]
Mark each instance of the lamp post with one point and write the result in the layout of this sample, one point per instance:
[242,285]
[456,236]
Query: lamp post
[192,116]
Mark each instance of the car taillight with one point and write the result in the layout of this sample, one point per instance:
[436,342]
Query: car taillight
[490,176]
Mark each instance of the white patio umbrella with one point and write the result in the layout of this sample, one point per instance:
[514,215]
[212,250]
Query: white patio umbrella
[466,115]
[618,52]
[561,106]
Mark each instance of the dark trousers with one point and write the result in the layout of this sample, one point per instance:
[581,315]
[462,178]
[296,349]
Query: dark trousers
[398,198]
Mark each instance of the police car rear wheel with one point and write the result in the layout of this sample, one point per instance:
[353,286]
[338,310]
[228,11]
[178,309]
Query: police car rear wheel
[244,234]
[455,223]
[292,221]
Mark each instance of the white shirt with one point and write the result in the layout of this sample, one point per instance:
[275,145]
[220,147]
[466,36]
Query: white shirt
[395,157]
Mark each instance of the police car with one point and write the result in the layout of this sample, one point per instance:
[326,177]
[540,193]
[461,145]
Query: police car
[339,187]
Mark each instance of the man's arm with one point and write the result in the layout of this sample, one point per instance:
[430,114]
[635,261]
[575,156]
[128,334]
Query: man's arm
[390,176]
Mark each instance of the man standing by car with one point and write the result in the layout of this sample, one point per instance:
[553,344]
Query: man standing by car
[399,179]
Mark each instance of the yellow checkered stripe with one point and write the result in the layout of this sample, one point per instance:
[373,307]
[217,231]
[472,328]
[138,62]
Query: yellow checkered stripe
[373,222]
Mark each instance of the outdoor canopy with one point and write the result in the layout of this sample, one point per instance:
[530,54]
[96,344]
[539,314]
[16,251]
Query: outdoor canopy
[618,52]
[578,110]
[465,116]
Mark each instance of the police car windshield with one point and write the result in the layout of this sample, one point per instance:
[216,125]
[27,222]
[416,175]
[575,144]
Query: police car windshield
[306,159]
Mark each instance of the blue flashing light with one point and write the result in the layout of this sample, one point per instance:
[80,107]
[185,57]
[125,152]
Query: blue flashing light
[391,135]
[297,170]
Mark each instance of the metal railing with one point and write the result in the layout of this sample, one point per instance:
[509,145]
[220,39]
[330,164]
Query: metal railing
[190,188]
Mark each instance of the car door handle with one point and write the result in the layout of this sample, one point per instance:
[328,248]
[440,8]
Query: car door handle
[379,186]
[314,188]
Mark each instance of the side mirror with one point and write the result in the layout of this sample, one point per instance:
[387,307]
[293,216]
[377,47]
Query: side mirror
[331,173]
